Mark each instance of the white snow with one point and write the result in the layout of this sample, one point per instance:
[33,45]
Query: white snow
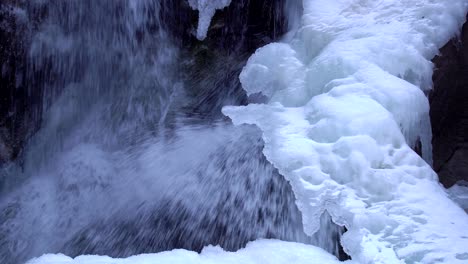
[346,102]
[206,10]
[261,251]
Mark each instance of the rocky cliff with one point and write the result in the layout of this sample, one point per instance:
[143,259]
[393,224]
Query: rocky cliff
[449,111]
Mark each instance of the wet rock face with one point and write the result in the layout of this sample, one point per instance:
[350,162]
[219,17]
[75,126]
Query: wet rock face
[241,27]
[247,25]
[234,34]
[20,99]
[449,111]
[12,93]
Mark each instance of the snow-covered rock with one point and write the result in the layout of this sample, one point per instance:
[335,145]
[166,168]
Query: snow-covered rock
[261,251]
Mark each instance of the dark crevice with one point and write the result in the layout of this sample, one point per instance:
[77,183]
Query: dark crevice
[449,110]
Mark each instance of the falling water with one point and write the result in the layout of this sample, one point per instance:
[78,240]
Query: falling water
[133,155]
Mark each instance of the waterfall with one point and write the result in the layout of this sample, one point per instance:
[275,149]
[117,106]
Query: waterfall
[133,154]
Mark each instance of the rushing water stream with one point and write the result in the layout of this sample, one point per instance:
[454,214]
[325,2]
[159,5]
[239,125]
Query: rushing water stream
[133,155]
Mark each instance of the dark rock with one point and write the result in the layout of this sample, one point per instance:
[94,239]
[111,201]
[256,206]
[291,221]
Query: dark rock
[20,102]
[247,25]
[11,70]
[449,111]
[235,33]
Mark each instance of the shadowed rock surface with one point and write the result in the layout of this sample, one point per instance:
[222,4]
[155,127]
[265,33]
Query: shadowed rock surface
[449,111]
[16,101]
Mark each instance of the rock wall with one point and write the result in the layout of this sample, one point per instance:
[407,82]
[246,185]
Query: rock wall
[14,103]
[449,111]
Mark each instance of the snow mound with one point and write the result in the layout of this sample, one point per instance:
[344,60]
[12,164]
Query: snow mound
[206,10]
[261,251]
[346,103]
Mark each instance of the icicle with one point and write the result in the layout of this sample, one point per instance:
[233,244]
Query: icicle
[206,10]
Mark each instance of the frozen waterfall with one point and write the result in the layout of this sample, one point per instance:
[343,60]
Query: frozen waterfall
[345,105]
[135,163]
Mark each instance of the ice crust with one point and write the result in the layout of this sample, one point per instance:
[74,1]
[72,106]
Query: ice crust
[206,10]
[261,251]
[346,103]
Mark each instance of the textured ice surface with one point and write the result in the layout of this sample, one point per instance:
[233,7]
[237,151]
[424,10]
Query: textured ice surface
[346,103]
[206,10]
[262,251]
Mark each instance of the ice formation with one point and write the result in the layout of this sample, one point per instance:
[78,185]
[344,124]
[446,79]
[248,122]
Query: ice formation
[261,251]
[346,103]
[206,10]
